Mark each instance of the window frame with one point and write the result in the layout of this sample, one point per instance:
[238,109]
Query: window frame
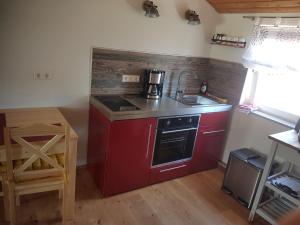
[249,96]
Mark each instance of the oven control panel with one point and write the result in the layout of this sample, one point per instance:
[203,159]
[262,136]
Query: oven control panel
[174,123]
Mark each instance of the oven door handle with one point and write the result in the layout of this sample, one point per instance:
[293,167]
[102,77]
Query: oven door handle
[173,131]
[172,168]
[148,141]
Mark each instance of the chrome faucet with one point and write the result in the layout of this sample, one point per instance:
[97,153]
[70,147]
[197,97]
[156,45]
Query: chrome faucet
[179,92]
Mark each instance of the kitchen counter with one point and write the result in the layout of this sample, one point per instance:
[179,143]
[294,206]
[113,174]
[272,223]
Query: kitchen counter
[164,107]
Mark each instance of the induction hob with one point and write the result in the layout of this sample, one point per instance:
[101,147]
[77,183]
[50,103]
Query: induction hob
[116,103]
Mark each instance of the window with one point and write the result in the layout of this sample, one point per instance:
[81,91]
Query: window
[274,93]
[273,80]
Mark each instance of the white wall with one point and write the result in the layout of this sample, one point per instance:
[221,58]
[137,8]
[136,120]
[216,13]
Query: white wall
[57,35]
[233,25]
[250,131]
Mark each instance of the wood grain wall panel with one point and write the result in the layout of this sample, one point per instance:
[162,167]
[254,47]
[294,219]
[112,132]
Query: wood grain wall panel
[108,66]
[255,6]
[226,79]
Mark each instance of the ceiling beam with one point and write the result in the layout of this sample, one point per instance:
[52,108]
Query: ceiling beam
[256,6]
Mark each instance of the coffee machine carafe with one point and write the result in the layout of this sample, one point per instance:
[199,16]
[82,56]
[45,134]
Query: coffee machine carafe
[153,83]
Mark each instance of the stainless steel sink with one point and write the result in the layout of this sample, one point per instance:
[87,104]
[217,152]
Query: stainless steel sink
[196,100]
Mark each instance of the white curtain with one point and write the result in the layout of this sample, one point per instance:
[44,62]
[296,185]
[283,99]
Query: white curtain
[275,48]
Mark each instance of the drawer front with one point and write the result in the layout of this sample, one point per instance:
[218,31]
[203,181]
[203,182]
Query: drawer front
[217,121]
[169,172]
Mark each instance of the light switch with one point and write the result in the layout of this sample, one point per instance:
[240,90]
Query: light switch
[48,76]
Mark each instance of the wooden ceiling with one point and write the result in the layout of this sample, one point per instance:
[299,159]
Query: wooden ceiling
[256,6]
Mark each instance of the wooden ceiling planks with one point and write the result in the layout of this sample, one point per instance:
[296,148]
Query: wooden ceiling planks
[256,6]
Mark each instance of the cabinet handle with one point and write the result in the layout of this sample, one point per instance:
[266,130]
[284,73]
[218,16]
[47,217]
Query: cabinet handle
[173,168]
[148,142]
[213,132]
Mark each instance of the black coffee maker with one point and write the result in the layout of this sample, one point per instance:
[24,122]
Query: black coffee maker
[153,83]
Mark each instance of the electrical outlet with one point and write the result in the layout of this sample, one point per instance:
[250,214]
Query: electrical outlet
[131,78]
[38,76]
[48,76]
[136,78]
[42,76]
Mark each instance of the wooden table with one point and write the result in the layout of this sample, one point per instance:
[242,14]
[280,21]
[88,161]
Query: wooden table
[21,117]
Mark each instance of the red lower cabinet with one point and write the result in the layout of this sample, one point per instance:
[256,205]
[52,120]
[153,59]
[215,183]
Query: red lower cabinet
[120,156]
[169,172]
[210,141]
[120,152]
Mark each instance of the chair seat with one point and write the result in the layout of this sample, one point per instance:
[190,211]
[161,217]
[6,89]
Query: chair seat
[40,185]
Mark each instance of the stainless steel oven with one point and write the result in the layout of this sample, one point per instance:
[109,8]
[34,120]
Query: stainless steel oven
[175,139]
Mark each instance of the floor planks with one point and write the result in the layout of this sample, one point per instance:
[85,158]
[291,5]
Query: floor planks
[192,200]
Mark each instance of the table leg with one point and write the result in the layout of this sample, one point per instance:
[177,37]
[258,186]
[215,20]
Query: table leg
[263,180]
[69,192]
[5,199]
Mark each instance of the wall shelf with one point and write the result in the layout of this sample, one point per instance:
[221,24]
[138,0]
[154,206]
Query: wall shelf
[235,44]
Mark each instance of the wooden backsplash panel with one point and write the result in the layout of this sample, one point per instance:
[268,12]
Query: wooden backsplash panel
[108,66]
[226,79]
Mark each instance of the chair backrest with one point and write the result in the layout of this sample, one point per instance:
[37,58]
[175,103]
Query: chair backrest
[25,146]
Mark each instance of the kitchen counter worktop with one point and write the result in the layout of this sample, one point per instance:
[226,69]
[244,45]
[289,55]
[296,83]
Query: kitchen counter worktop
[164,107]
[288,138]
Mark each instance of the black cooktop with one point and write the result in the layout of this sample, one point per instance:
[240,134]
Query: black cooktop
[116,103]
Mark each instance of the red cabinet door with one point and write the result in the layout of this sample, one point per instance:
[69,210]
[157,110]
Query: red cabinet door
[131,144]
[209,149]
[210,141]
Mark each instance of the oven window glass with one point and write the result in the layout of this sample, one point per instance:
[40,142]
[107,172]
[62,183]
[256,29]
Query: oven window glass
[173,146]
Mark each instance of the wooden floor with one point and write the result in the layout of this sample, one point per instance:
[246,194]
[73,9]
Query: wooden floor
[192,200]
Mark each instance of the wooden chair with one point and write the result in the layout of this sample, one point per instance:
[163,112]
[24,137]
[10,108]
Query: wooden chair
[4,189]
[36,142]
